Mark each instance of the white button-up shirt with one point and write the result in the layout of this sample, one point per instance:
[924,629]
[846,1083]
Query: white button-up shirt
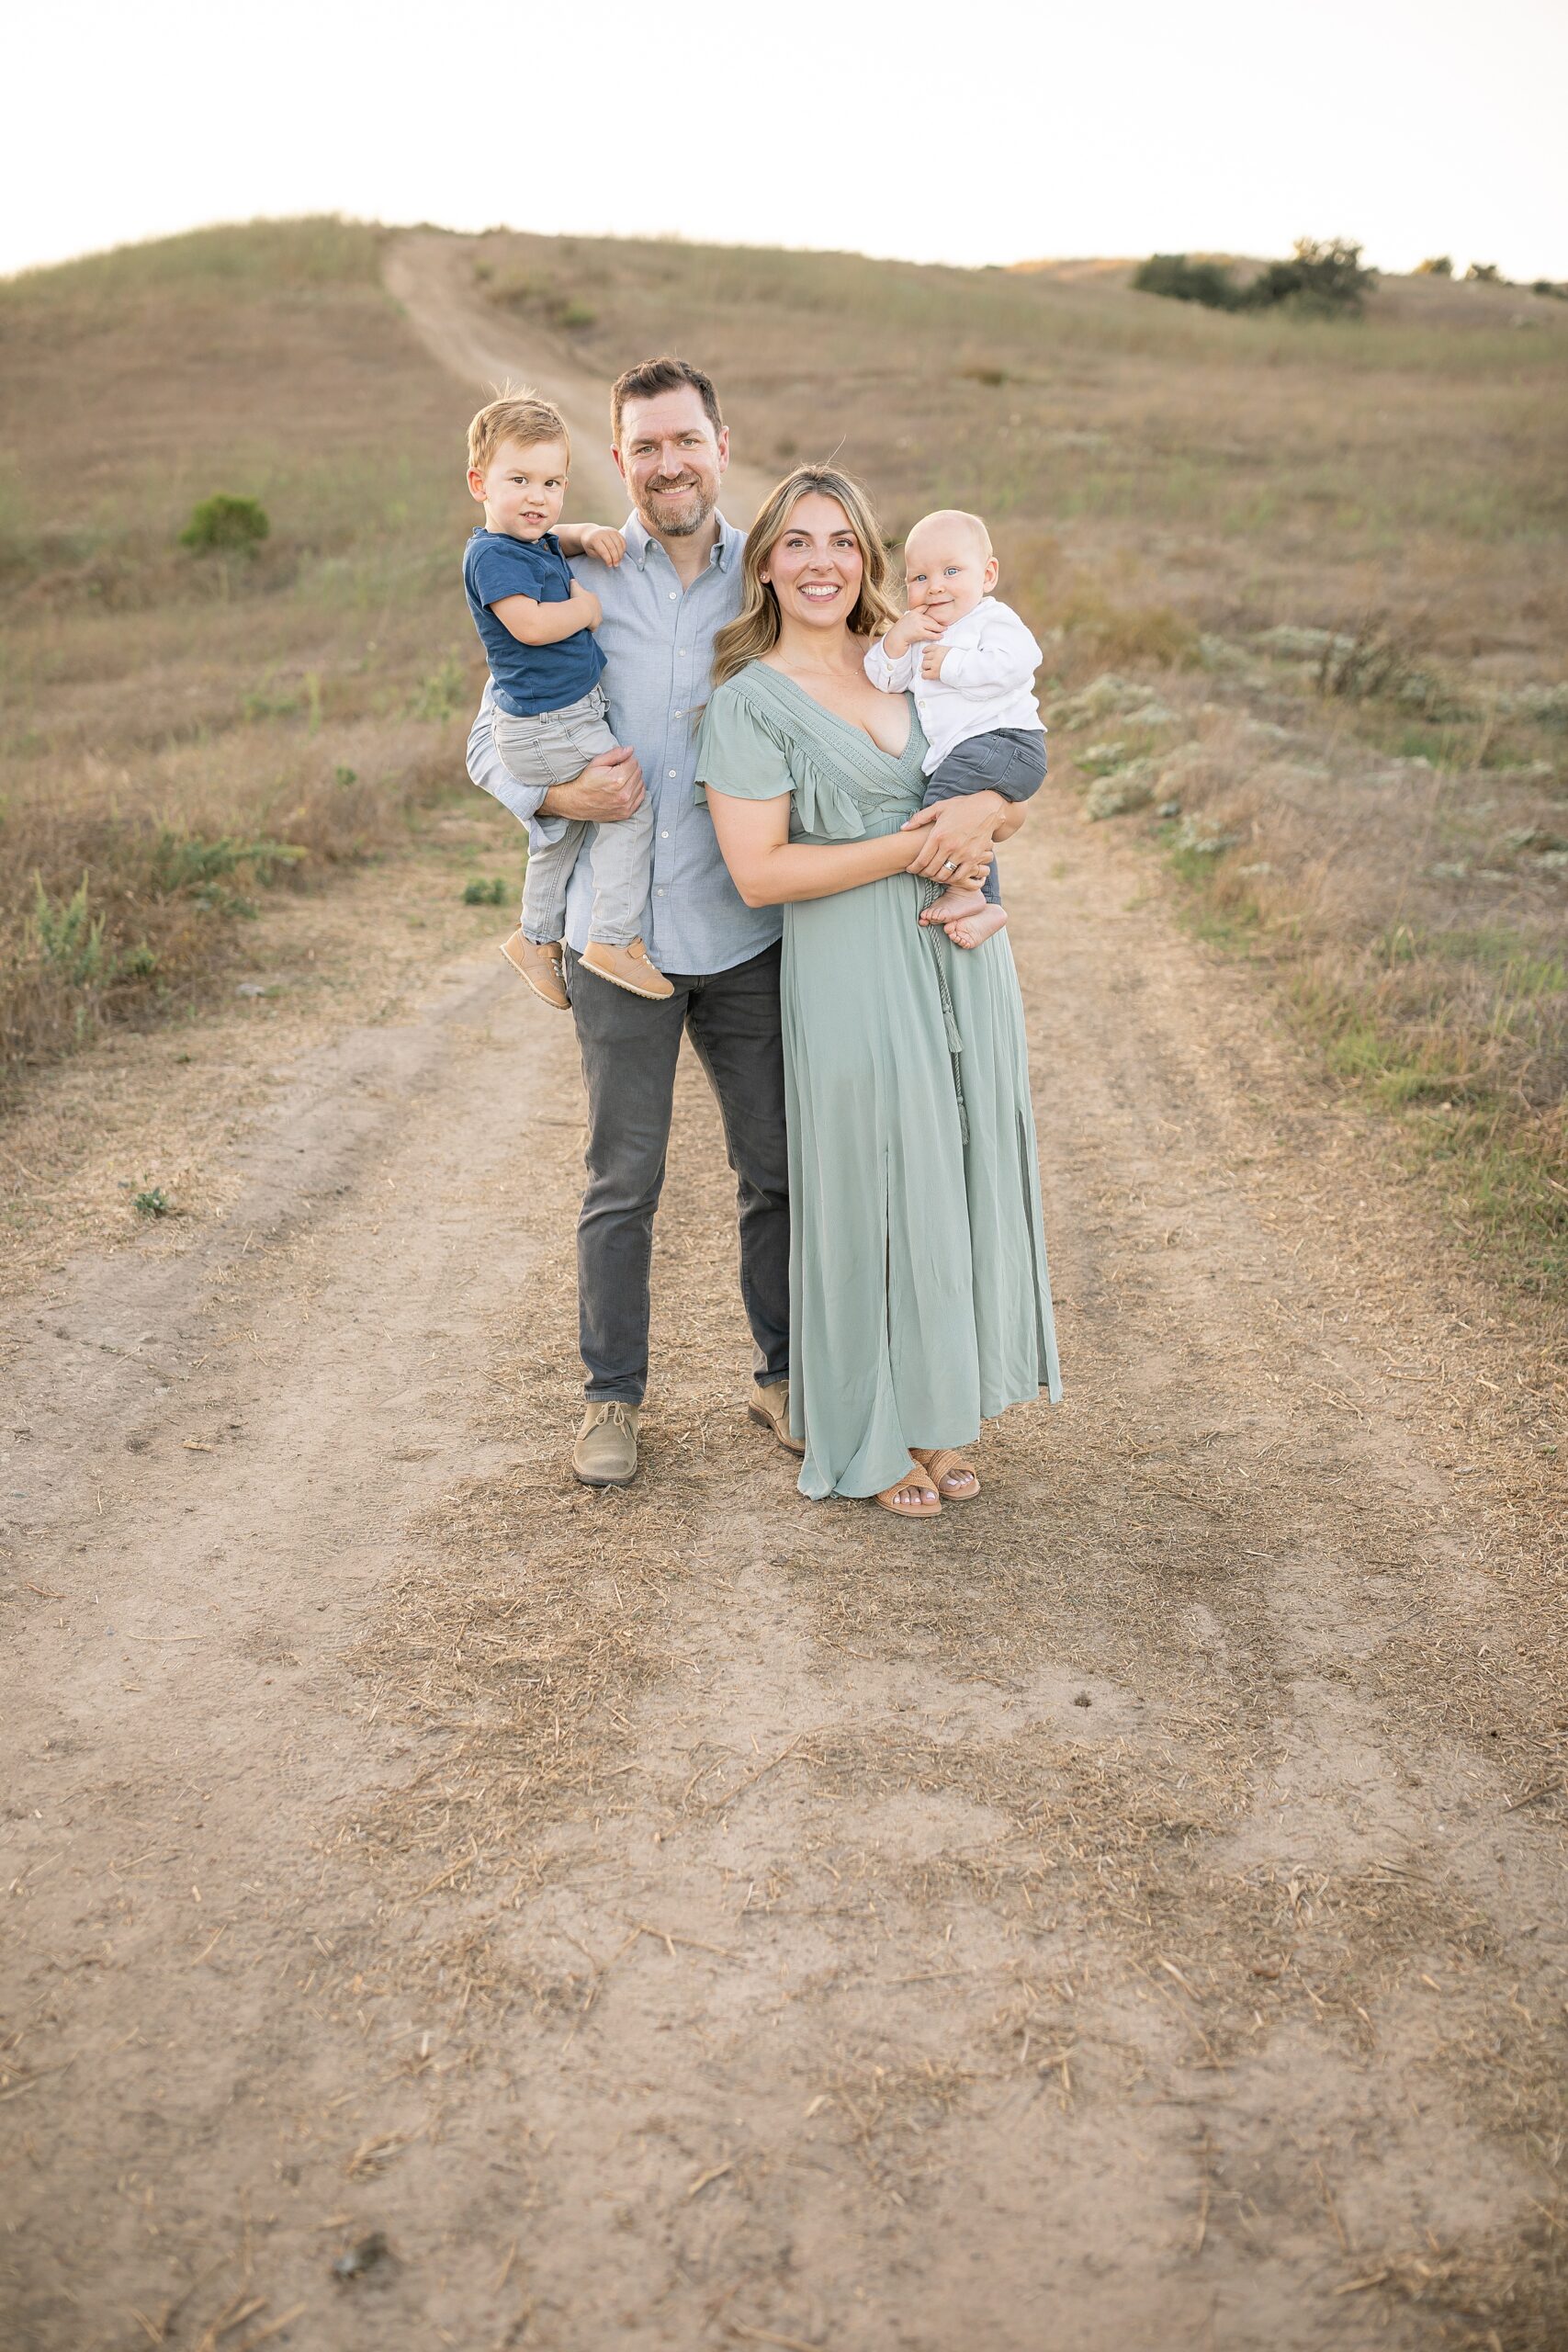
[986,681]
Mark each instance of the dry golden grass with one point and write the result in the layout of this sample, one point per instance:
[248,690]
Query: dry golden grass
[1167,485]
[168,714]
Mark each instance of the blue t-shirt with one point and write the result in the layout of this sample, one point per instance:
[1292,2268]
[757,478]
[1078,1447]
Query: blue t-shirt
[527,678]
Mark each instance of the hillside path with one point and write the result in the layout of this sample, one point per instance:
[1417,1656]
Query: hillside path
[1127,1914]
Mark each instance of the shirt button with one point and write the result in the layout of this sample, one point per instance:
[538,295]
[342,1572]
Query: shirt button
[664,837]
[672,776]
[672,595]
[660,892]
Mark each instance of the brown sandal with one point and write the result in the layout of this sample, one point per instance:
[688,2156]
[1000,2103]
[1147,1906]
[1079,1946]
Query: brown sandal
[942,1462]
[888,1498]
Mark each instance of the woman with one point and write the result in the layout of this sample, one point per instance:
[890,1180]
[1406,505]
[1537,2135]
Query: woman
[919,1297]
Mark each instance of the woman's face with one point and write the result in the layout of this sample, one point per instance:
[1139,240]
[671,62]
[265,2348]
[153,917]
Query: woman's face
[816,565]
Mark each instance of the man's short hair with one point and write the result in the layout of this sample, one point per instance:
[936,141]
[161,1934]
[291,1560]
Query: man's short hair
[521,417]
[650,377]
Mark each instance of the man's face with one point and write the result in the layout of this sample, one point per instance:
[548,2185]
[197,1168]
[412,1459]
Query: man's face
[671,460]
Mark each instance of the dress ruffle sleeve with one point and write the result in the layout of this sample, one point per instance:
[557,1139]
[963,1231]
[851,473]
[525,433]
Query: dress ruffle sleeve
[743,749]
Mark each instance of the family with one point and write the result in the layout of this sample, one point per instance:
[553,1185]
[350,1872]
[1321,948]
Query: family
[762,808]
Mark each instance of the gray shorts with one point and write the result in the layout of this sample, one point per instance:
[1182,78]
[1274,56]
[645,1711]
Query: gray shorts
[1009,760]
[554,747]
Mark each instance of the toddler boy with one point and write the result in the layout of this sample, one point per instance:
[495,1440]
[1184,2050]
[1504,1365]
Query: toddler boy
[536,624]
[970,664]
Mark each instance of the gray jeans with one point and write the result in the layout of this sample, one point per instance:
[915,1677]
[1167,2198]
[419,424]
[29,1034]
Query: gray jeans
[1009,760]
[630,1045]
[554,747]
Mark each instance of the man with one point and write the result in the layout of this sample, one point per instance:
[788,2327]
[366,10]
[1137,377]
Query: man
[679,582]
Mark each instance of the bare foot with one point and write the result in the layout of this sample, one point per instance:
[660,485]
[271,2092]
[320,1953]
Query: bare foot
[975,930]
[953,905]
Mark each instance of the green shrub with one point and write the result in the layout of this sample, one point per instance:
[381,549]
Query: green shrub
[1324,278]
[1180,280]
[155,1203]
[70,939]
[1440,266]
[1484,273]
[224,522]
[494,893]
[1547,286]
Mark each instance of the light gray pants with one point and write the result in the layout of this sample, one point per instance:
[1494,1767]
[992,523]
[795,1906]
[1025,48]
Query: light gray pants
[554,747]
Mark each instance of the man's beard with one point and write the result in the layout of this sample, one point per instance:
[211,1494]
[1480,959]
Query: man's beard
[682,526]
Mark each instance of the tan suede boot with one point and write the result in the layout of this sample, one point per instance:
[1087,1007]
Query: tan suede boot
[770,1406]
[625,967]
[544,968]
[606,1452]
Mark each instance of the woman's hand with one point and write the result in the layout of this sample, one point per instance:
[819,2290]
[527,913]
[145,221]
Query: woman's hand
[956,833]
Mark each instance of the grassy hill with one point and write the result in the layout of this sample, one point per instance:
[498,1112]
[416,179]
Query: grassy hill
[1303,586]
[168,714]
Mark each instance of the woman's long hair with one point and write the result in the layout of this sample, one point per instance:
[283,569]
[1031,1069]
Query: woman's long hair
[755,629]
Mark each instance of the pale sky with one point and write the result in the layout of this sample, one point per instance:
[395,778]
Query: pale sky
[985,132]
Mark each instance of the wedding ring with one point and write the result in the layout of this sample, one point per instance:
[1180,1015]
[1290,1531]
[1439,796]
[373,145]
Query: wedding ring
[948,864]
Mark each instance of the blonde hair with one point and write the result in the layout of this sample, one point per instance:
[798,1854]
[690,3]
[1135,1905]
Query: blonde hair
[521,417]
[755,629]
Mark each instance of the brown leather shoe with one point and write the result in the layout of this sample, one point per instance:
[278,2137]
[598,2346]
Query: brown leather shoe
[625,967]
[606,1452]
[542,966]
[769,1407]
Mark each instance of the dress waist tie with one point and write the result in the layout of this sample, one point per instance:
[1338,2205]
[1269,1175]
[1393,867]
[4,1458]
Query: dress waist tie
[940,947]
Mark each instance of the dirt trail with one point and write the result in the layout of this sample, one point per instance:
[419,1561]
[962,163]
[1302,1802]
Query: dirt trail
[1126,1915]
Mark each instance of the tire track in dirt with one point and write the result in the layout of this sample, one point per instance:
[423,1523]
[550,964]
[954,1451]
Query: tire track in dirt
[693,1917]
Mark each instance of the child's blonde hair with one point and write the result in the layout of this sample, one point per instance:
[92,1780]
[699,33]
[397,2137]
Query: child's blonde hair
[521,417]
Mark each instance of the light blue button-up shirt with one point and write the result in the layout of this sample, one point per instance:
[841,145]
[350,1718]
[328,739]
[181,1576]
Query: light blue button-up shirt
[658,642]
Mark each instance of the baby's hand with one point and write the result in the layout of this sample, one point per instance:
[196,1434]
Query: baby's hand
[933,659]
[608,545]
[590,612]
[916,628]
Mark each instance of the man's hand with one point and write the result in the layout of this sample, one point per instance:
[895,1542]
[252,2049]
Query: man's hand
[933,659]
[609,788]
[956,833]
[590,612]
[599,539]
[917,627]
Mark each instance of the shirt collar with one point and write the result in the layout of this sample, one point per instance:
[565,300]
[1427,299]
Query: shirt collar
[725,549]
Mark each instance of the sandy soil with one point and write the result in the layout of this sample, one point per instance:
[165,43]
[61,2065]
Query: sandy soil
[1126,1913]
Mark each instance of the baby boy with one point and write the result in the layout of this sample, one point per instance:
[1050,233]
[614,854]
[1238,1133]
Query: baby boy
[970,664]
[536,624]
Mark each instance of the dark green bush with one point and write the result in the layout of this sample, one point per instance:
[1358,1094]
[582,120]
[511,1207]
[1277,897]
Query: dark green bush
[1485,273]
[1324,278]
[223,521]
[1209,282]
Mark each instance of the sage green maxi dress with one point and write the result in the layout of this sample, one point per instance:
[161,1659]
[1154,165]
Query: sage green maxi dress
[920,1303]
